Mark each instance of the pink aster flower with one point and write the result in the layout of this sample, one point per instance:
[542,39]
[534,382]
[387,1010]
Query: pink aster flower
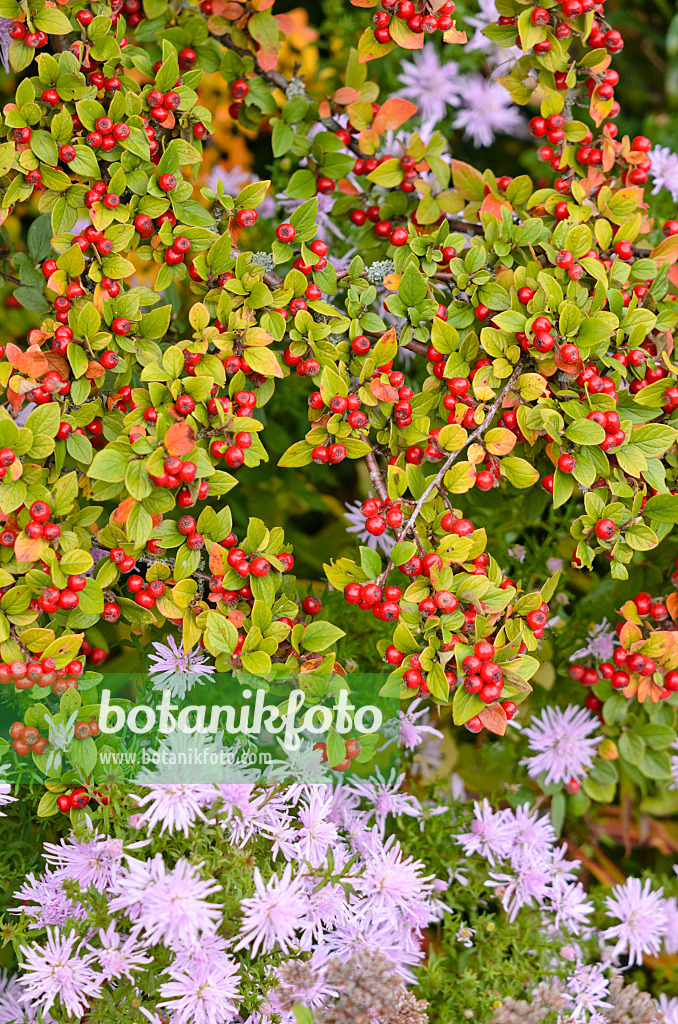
[11,1010]
[489,834]
[202,997]
[642,919]
[561,743]
[175,910]
[274,914]
[175,806]
[488,109]
[45,902]
[59,970]
[392,882]
[385,796]
[118,955]
[413,732]
[317,833]
[96,862]
[526,883]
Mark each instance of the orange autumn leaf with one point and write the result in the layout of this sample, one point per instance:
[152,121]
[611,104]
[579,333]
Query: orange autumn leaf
[180,439]
[217,560]
[36,336]
[268,60]
[236,618]
[94,370]
[325,110]
[346,95]
[31,362]
[494,719]
[454,35]
[383,392]
[392,114]
[123,510]
[346,188]
[27,550]
[493,206]
[672,605]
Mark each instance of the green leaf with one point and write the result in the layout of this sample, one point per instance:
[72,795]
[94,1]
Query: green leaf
[79,447]
[519,472]
[663,508]
[370,562]
[585,431]
[412,288]
[318,636]
[109,465]
[631,747]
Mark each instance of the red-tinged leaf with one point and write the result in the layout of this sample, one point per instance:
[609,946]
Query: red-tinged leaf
[492,205]
[217,560]
[383,392]
[468,181]
[609,155]
[369,140]
[364,3]
[648,689]
[180,439]
[494,719]
[666,251]
[325,110]
[123,510]
[228,9]
[268,60]
[572,368]
[370,49]
[236,618]
[57,362]
[136,431]
[346,95]
[600,109]
[26,550]
[36,336]
[630,612]
[672,605]
[31,362]
[403,36]
[392,114]
[500,441]
[345,186]
[94,370]
[15,399]
[234,230]
[454,35]
[629,634]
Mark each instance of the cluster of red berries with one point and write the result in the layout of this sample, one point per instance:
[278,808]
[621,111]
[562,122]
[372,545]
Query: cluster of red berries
[625,665]
[353,749]
[53,600]
[77,799]
[384,228]
[347,407]
[418,16]
[484,677]
[36,40]
[26,739]
[43,674]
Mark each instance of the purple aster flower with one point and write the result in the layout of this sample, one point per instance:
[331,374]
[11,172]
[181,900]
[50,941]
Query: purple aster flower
[96,862]
[202,996]
[664,170]
[5,41]
[175,805]
[386,797]
[489,834]
[560,744]
[391,882]
[317,833]
[118,955]
[642,919]
[412,731]
[357,520]
[430,83]
[488,109]
[587,988]
[601,643]
[45,902]
[528,882]
[571,906]
[669,1007]
[175,670]
[272,916]
[528,832]
[671,934]
[5,790]
[11,1010]
[59,970]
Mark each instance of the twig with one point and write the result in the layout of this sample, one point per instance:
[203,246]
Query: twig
[478,432]
[12,280]
[377,479]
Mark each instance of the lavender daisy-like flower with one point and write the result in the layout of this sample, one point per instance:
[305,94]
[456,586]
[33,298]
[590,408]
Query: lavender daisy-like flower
[602,641]
[669,1007]
[385,796]
[176,670]
[529,832]
[489,834]
[5,41]
[412,731]
[59,970]
[11,1010]
[174,909]
[175,805]
[486,15]
[357,520]
[392,882]
[202,996]
[570,905]
[432,84]
[317,833]
[664,170]
[272,916]
[528,882]
[5,790]
[96,862]
[587,989]
[642,919]
[44,901]
[488,110]
[118,955]
[560,743]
